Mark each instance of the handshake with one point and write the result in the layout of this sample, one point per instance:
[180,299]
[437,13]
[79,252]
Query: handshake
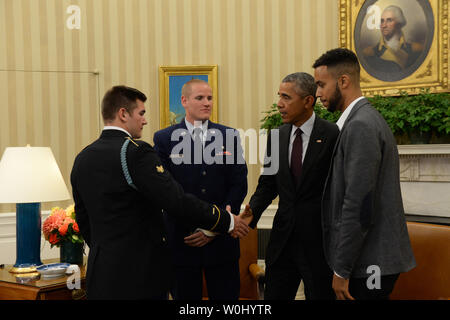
[202,237]
[241,222]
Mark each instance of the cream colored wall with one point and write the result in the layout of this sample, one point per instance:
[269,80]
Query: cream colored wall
[52,78]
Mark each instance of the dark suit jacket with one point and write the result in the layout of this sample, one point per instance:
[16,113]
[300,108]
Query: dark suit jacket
[221,183]
[298,216]
[363,218]
[124,228]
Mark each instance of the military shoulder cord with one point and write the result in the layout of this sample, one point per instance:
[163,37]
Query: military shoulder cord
[123,161]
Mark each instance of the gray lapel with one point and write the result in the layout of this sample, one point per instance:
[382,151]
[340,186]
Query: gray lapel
[352,113]
[355,109]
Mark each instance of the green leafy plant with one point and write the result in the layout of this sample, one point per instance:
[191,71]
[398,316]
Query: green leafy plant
[423,114]
[406,115]
[436,108]
[443,127]
[387,108]
[272,118]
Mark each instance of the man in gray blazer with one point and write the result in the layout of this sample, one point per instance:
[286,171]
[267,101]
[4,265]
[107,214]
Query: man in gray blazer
[366,240]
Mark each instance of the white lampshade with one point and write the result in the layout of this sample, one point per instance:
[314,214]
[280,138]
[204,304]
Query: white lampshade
[30,174]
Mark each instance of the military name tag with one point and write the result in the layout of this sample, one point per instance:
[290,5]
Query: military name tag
[172,156]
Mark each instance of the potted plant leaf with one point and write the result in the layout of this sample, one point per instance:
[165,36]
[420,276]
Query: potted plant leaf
[414,119]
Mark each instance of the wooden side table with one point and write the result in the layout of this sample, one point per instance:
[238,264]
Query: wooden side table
[16,287]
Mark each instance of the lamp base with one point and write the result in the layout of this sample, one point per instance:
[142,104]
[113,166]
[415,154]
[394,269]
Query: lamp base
[28,237]
[27,277]
[25,268]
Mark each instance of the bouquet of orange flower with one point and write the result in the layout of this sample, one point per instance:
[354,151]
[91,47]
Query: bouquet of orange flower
[61,226]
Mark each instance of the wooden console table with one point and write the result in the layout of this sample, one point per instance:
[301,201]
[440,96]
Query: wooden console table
[16,287]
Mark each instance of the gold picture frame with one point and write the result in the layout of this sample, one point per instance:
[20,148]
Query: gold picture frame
[425,37]
[171,80]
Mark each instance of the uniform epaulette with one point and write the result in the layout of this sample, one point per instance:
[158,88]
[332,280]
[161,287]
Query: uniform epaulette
[137,143]
[133,141]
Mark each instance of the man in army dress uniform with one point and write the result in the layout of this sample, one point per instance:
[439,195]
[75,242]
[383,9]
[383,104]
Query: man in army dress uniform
[120,188]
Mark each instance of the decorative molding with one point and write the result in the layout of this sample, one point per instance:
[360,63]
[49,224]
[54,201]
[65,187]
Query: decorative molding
[425,179]
[424,149]
[409,170]
[428,72]
[424,163]
[365,80]
[266,220]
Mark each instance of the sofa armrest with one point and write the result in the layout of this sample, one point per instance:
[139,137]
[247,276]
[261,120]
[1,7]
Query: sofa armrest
[256,271]
[259,274]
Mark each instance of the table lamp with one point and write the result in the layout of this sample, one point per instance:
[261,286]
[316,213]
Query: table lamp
[29,176]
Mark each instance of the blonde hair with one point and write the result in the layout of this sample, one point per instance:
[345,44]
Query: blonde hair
[187,87]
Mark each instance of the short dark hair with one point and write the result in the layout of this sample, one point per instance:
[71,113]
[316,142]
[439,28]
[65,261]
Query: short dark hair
[120,97]
[304,84]
[341,61]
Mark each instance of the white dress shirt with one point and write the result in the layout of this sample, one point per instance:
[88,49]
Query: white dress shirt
[340,123]
[306,128]
[117,128]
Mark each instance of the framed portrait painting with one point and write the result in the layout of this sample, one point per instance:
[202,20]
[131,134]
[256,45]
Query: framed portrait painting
[402,45]
[171,81]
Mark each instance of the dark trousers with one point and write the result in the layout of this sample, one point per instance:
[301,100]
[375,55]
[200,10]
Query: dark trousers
[360,291]
[222,282]
[284,275]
